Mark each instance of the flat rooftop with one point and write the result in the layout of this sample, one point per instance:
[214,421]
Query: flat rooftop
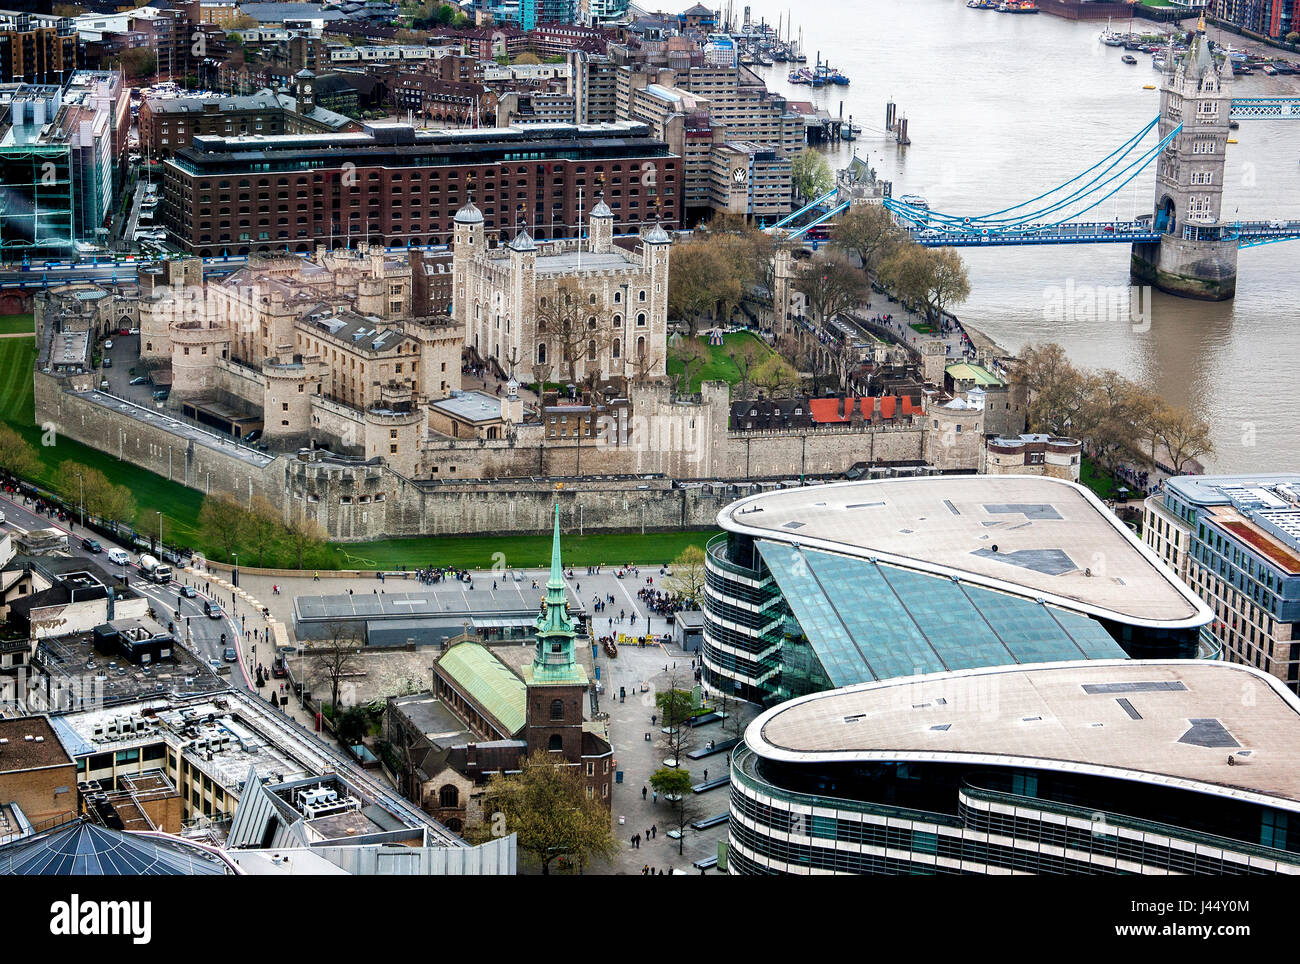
[470,407]
[571,261]
[162,419]
[1027,535]
[32,745]
[1157,721]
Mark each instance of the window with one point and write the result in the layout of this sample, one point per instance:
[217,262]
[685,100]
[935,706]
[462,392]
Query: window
[556,743]
[557,709]
[449,796]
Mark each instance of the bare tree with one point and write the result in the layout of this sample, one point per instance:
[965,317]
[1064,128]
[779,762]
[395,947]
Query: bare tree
[335,658]
[569,321]
[692,356]
[830,284]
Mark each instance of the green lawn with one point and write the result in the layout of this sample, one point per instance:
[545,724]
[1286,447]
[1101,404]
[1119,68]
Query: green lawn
[12,324]
[523,552]
[1102,483]
[720,367]
[17,356]
[181,505]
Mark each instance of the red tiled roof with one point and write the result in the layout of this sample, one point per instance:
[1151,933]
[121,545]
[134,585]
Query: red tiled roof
[826,410]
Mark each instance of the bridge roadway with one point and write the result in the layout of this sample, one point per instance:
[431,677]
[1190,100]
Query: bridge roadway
[1249,234]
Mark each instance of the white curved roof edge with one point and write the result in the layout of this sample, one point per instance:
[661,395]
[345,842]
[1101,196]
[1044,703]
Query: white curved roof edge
[1204,615]
[755,741]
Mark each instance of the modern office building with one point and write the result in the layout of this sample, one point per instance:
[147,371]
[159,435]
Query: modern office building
[1102,767]
[818,587]
[397,186]
[1236,541]
[1272,18]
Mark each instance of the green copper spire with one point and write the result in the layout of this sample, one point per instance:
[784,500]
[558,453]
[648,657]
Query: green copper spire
[557,570]
[553,657]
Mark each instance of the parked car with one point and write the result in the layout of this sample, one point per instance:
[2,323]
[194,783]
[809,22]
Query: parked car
[139,379]
[278,669]
[108,344]
[91,545]
[161,394]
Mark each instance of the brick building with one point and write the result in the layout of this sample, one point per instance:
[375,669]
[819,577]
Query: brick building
[36,773]
[36,49]
[397,186]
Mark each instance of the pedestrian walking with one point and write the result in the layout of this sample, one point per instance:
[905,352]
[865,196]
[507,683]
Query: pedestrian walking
[654,830]
[644,791]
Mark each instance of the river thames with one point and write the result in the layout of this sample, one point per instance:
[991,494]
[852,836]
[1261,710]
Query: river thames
[1002,108]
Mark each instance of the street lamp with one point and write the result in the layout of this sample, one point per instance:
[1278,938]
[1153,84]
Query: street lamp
[81,485]
[234,573]
[160,542]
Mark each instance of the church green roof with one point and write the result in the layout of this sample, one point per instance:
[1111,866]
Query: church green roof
[489,682]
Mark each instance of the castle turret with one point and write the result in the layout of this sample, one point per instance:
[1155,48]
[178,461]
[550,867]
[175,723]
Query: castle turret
[602,227]
[467,244]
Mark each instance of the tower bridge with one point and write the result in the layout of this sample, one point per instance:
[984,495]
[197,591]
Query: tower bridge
[1184,246]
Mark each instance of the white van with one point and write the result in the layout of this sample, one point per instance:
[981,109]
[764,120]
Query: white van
[118,556]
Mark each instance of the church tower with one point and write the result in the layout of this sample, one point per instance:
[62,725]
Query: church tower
[1196,256]
[557,683]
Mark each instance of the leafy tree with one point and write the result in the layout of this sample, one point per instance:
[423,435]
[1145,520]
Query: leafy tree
[675,706]
[811,174]
[262,527]
[222,521]
[91,488]
[675,784]
[868,231]
[305,534]
[353,725]
[934,278]
[777,376]
[547,808]
[697,280]
[17,455]
[138,63]
[830,284]
[687,581]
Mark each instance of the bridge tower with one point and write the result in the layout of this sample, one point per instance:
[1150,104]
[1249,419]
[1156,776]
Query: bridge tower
[1196,256]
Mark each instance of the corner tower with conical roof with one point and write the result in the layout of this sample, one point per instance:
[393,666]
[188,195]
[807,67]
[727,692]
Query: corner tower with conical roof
[557,682]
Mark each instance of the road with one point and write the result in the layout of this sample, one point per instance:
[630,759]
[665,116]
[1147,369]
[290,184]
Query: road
[202,635]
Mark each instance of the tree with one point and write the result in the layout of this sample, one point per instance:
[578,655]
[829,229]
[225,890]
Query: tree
[305,533]
[810,174]
[262,527]
[830,284]
[934,278]
[674,784]
[746,356]
[334,658]
[91,489]
[1184,437]
[546,807]
[687,580]
[868,231]
[353,725]
[568,320]
[777,376]
[697,279]
[692,356]
[139,62]
[17,455]
[222,521]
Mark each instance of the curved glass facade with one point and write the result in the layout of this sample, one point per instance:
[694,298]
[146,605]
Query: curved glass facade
[782,621]
[945,818]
